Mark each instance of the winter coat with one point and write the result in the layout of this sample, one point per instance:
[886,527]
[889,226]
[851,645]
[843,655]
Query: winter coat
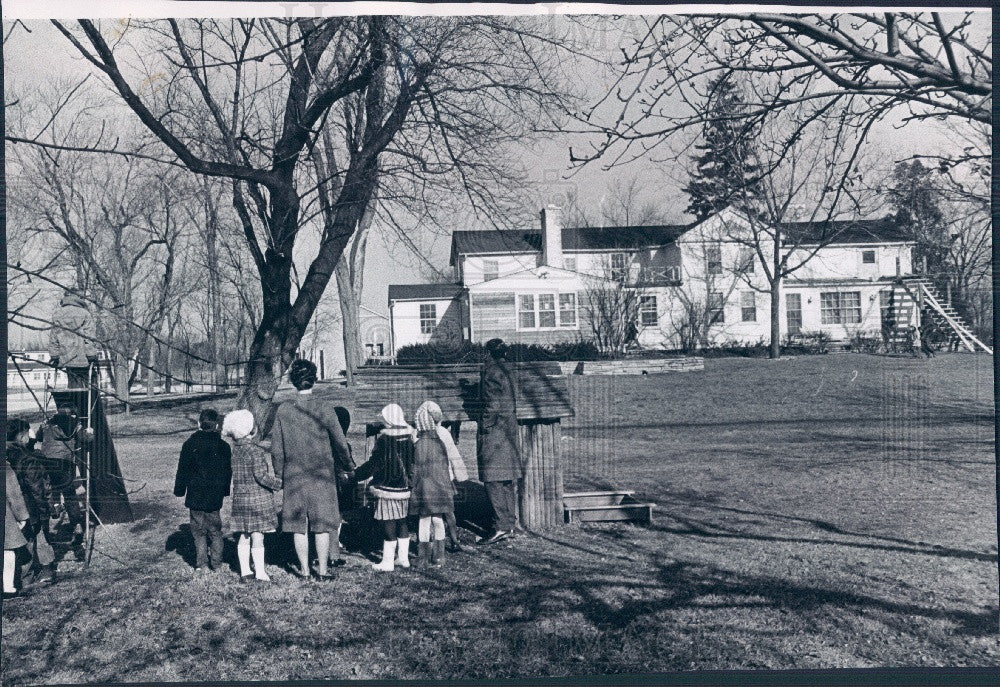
[71,338]
[204,471]
[62,453]
[308,448]
[391,463]
[33,479]
[17,511]
[499,456]
[456,466]
[431,492]
[254,487]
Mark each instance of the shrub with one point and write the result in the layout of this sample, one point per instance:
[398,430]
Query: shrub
[447,353]
[806,343]
[867,342]
[740,349]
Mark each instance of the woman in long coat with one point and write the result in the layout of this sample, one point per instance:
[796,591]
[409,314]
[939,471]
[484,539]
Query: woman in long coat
[499,455]
[308,448]
[17,513]
[253,496]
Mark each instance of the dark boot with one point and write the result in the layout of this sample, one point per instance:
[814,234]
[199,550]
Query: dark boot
[423,554]
[437,553]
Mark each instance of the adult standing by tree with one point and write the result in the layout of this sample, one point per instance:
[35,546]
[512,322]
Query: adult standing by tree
[499,455]
[71,339]
[308,448]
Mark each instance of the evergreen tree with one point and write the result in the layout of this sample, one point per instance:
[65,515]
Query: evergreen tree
[916,199]
[725,172]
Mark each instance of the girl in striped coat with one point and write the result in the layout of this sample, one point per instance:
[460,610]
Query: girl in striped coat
[253,496]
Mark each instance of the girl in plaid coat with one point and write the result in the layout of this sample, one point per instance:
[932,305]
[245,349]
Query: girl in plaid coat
[253,496]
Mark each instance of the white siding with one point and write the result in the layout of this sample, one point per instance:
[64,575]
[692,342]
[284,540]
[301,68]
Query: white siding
[472,266]
[406,322]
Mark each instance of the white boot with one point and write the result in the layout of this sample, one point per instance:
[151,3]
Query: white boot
[388,554]
[258,564]
[243,555]
[403,557]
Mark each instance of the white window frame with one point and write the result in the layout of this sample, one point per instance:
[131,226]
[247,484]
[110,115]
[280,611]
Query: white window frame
[713,249]
[720,309]
[836,313]
[649,314]
[750,308]
[426,328]
[536,311]
[873,253]
[569,263]
[491,274]
[619,273]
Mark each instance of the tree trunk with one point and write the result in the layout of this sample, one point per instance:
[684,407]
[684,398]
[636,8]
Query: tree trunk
[775,351]
[349,317]
[150,374]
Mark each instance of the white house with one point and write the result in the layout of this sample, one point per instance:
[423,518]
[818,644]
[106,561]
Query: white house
[534,286]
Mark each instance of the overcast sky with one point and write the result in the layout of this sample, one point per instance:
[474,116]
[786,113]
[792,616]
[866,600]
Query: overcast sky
[45,55]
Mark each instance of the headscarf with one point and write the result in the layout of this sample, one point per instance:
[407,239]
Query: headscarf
[238,424]
[428,416]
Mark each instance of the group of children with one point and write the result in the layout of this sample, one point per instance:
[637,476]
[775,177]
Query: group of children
[413,472]
[44,490]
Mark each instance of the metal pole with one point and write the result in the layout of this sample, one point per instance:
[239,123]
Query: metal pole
[86,450]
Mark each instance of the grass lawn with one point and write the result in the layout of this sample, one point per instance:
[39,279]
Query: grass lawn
[828,511]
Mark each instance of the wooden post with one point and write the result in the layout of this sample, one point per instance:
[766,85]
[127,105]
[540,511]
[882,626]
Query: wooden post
[541,492]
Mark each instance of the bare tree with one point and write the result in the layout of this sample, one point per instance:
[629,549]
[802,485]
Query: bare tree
[219,113]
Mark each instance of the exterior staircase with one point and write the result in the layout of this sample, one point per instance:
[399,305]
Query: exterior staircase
[920,290]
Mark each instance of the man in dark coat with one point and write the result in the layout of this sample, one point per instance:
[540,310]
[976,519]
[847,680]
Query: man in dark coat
[499,455]
[308,449]
[204,475]
[71,339]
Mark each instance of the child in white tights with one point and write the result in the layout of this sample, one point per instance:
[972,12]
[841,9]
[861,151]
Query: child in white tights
[432,493]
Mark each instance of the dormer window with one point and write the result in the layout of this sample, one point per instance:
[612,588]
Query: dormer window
[491,270]
[868,257]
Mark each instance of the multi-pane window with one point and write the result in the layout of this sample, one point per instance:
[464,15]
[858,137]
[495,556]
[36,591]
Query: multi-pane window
[539,311]
[840,308]
[546,310]
[868,257]
[619,267]
[713,258]
[526,312]
[428,318]
[648,316]
[793,311]
[749,258]
[567,310]
[748,306]
[569,264]
[491,270]
[716,307]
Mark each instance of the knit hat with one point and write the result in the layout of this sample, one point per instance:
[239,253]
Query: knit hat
[238,424]
[428,416]
[393,416]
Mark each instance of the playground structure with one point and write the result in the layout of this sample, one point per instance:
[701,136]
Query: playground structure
[105,496]
[542,402]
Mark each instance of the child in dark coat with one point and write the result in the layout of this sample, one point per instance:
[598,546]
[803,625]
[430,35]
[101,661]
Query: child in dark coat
[432,494]
[204,474]
[29,465]
[389,467]
[64,441]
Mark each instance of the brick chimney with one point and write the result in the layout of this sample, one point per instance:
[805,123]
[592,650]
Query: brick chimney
[552,236]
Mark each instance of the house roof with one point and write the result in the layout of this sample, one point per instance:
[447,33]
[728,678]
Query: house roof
[409,292]
[511,241]
[883,230]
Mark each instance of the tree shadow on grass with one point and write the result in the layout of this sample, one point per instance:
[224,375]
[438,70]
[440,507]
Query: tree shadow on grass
[181,542]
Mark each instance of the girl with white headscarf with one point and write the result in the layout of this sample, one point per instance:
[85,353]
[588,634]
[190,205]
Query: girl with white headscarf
[432,494]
